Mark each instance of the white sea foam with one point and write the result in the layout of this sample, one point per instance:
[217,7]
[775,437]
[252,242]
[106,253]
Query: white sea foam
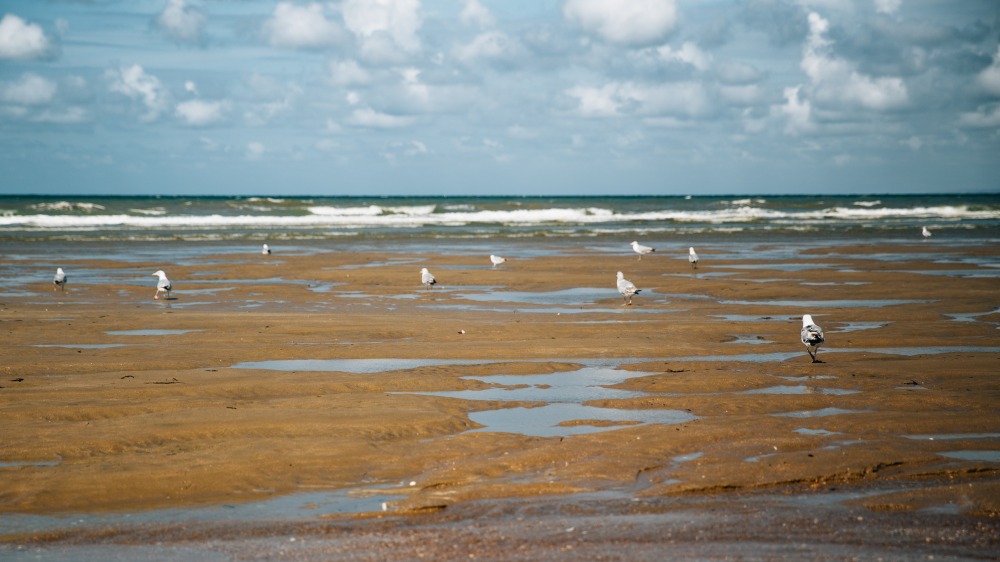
[155,211]
[867,203]
[68,206]
[430,215]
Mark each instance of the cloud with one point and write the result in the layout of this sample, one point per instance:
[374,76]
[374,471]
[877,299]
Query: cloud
[687,99]
[834,80]
[796,112]
[181,22]
[367,117]
[624,21]
[22,40]
[887,6]
[984,117]
[387,29]
[989,78]
[190,87]
[490,45]
[200,113]
[689,53]
[474,13]
[254,151]
[300,27]
[30,89]
[134,83]
[347,73]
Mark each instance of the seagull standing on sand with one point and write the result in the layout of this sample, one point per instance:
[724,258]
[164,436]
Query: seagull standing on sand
[626,288]
[266,250]
[497,260]
[925,232]
[693,257]
[426,278]
[812,337]
[641,250]
[163,285]
[60,279]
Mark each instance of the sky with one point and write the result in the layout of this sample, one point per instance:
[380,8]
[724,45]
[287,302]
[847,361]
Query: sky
[499,97]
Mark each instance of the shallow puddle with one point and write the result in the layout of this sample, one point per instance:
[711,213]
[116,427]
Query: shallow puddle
[953,436]
[553,420]
[987,456]
[821,413]
[149,332]
[800,389]
[843,303]
[82,345]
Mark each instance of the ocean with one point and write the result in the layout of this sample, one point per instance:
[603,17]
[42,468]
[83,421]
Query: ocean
[27,219]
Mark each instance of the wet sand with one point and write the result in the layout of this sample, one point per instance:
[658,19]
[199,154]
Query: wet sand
[112,403]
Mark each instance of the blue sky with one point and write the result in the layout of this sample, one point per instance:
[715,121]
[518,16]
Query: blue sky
[499,97]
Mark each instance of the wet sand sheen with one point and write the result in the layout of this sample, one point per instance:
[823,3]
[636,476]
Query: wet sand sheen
[187,410]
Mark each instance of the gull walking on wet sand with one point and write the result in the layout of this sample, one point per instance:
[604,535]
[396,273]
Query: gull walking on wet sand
[60,279]
[426,278]
[641,250]
[925,232]
[626,288]
[266,250]
[812,337]
[497,260]
[162,286]
[693,257]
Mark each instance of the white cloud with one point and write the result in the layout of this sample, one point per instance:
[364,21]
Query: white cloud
[689,53]
[835,80]
[347,73]
[796,112]
[624,21]
[30,89]
[292,26]
[65,116]
[387,29]
[596,102]
[617,98]
[200,113]
[254,151]
[22,40]
[367,117]
[983,117]
[989,78]
[887,6]
[474,13]
[180,21]
[488,45]
[133,82]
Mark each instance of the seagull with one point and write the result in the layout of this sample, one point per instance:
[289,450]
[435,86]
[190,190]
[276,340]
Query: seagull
[426,278]
[925,231]
[812,337]
[640,249]
[265,250]
[693,257]
[162,285]
[60,279]
[626,288]
[497,260]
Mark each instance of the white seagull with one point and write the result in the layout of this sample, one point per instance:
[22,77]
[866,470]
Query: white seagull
[426,278]
[163,285]
[925,231]
[266,250]
[812,337]
[497,260]
[693,257]
[640,249]
[626,288]
[60,279]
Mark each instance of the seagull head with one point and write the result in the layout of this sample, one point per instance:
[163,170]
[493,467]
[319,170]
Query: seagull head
[621,275]
[60,271]
[160,274]
[807,319]
[424,270]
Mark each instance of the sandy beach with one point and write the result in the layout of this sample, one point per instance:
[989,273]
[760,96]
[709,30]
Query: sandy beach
[326,371]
